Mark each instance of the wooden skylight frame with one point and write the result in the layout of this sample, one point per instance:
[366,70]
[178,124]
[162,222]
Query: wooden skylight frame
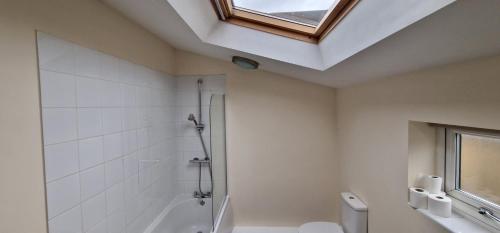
[295,30]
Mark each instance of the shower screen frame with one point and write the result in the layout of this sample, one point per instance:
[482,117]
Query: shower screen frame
[218,142]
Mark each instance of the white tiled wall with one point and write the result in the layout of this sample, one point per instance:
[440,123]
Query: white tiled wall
[189,145]
[117,139]
[109,129]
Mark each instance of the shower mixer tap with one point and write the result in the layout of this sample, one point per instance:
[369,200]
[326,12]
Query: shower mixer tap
[199,195]
[197,160]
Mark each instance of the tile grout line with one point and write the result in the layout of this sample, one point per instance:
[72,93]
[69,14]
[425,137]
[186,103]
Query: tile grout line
[105,177]
[88,168]
[90,137]
[102,79]
[78,152]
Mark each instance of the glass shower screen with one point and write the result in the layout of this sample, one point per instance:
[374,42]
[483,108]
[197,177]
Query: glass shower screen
[218,147]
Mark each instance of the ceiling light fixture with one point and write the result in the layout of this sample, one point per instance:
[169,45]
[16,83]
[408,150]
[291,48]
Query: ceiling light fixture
[245,63]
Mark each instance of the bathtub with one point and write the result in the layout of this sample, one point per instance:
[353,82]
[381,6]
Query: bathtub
[183,215]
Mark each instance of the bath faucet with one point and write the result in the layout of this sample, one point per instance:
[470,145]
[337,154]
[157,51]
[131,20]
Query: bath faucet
[202,195]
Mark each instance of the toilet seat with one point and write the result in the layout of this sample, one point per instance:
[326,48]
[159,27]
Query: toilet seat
[320,227]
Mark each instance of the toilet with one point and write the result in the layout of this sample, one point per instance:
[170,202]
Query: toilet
[354,218]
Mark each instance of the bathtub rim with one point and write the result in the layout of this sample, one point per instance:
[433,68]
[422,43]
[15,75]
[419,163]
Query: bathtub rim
[220,216]
[179,199]
[182,198]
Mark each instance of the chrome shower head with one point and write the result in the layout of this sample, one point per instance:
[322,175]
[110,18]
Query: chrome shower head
[192,118]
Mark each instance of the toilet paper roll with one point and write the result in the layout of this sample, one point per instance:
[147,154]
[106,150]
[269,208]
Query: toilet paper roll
[418,198]
[439,205]
[433,184]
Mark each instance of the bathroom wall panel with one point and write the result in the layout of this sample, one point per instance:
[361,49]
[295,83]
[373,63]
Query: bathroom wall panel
[110,140]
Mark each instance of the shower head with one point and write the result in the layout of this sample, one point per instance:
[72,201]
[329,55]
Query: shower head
[199,125]
[192,118]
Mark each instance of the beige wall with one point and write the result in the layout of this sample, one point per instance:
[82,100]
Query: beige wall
[282,176]
[282,169]
[88,23]
[422,152]
[373,132]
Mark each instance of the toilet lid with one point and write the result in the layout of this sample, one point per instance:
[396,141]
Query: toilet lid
[320,227]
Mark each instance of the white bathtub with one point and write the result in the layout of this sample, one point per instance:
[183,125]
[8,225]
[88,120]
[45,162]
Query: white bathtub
[184,215]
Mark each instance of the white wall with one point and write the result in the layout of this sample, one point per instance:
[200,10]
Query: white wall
[105,123]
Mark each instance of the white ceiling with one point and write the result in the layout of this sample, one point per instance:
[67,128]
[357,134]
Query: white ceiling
[463,30]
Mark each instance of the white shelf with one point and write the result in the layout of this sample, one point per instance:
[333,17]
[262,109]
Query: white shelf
[456,223]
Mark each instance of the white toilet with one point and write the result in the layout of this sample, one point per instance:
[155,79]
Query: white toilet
[354,218]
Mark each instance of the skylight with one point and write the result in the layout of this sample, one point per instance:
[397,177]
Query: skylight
[307,20]
[309,12]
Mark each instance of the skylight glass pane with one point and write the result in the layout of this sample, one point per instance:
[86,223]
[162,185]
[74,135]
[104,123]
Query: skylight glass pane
[302,11]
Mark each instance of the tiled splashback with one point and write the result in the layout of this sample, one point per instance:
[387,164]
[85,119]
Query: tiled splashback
[109,136]
[116,138]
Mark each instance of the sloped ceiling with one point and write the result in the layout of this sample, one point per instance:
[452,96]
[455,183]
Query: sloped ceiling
[459,31]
